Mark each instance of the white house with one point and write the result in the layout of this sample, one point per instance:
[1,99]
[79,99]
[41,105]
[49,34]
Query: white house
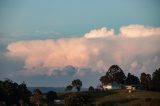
[130,87]
[113,85]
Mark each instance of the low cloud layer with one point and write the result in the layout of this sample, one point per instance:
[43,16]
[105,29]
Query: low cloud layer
[136,49]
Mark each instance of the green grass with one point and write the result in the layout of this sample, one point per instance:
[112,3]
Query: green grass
[123,98]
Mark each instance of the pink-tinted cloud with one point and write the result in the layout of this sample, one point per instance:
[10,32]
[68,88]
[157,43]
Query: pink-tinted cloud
[50,53]
[99,33]
[134,53]
[134,31]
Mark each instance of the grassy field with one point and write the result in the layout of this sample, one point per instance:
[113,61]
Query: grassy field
[123,98]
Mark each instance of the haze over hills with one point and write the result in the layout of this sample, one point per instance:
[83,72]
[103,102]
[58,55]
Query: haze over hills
[56,89]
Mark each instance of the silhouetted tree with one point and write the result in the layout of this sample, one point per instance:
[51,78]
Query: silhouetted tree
[37,97]
[69,88]
[51,96]
[131,79]
[12,93]
[149,81]
[77,84]
[156,80]
[105,80]
[143,79]
[2,95]
[146,81]
[91,89]
[23,93]
[114,73]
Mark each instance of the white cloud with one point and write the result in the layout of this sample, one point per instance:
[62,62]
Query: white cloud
[134,31]
[98,33]
[133,50]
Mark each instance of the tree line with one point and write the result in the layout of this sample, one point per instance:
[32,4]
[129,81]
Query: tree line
[12,93]
[146,81]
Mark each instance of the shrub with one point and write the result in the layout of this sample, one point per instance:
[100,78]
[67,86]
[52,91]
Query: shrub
[78,99]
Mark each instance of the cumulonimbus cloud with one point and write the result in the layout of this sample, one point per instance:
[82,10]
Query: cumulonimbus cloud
[135,48]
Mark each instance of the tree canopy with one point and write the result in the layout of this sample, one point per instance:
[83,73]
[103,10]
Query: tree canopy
[131,79]
[146,80]
[156,80]
[37,97]
[69,88]
[77,84]
[91,89]
[12,93]
[51,96]
[114,73]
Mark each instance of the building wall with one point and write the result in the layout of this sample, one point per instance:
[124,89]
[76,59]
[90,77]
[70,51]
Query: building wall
[130,87]
[107,87]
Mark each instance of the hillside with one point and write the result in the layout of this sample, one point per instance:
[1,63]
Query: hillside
[123,98]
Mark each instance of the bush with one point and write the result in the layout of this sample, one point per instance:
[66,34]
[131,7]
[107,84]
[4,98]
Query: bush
[78,99]
[91,89]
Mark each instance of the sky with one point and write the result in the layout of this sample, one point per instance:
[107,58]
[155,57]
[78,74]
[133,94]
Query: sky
[52,42]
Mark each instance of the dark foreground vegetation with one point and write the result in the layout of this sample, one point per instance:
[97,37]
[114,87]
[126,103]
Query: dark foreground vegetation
[13,94]
[20,96]
[146,81]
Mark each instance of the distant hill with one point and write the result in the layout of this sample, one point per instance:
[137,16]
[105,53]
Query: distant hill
[46,89]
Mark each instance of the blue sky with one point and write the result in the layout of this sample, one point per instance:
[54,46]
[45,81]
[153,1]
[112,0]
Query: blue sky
[75,17]
[31,20]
